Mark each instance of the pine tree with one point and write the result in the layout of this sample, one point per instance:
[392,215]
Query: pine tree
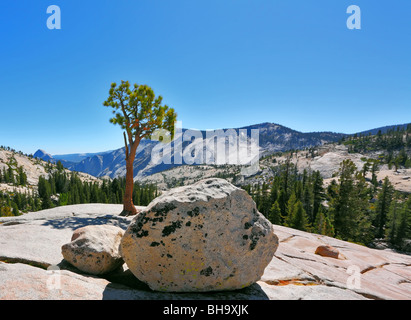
[44,190]
[282,202]
[318,193]
[15,209]
[274,215]
[297,217]
[274,192]
[265,206]
[322,224]
[139,113]
[383,205]
[290,205]
[10,175]
[60,166]
[6,212]
[393,221]
[22,176]
[308,198]
[404,228]
[348,208]
[374,170]
[399,222]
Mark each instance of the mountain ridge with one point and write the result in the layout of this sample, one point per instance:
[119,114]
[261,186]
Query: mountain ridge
[272,138]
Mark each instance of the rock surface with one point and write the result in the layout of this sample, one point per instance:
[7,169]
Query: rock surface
[37,237]
[94,249]
[31,243]
[205,237]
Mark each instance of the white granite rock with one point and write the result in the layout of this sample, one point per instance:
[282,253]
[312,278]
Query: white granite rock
[94,249]
[208,236]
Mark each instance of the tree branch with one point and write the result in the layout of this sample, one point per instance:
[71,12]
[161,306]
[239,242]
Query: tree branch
[123,108]
[125,142]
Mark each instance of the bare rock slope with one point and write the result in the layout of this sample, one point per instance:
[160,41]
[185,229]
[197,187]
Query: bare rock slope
[31,244]
[32,167]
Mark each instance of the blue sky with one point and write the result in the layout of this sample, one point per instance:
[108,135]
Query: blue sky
[219,63]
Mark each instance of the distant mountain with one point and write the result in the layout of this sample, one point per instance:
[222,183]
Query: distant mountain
[384,129]
[275,137]
[33,169]
[272,138]
[41,154]
[77,157]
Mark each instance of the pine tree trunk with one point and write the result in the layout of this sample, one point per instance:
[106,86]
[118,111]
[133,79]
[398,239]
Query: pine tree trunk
[128,206]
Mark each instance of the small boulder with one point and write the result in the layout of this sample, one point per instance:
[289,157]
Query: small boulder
[208,236]
[327,251]
[94,249]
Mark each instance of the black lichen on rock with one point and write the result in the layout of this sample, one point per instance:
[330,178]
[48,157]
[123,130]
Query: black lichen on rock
[137,227]
[162,212]
[194,213]
[247,225]
[171,228]
[207,272]
[254,237]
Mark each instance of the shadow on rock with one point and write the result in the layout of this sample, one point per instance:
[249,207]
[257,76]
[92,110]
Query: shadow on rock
[115,291]
[125,286]
[78,222]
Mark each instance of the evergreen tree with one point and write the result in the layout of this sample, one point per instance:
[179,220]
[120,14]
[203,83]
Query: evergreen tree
[264,206]
[374,169]
[399,223]
[15,209]
[274,191]
[139,113]
[383,205]
[404,228]
[348,208]
[297,217]
[308,201]
[60,166]
[274,215]
[6,212]
[341,207]
[282,202]
[318,193]
[22,176]
[290,205]
[332,191]
[10,175]
[322,224]
[44,190]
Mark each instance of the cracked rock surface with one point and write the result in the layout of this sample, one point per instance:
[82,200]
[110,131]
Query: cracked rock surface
[31,243]
[362,271]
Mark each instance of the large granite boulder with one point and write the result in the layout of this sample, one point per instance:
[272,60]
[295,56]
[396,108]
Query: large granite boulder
[94,249]
[208,236]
